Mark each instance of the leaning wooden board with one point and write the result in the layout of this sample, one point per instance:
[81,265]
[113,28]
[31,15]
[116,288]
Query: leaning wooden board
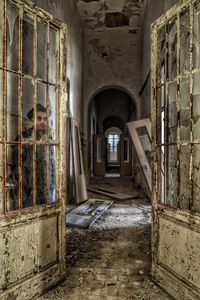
[113,194]
[87,213]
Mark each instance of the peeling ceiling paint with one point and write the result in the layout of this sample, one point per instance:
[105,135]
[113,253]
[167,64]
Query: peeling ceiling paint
[98,14]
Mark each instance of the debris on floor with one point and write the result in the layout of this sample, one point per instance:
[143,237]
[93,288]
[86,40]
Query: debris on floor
[112,259]
[88,213]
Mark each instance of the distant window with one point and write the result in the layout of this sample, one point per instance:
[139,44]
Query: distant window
[113,140]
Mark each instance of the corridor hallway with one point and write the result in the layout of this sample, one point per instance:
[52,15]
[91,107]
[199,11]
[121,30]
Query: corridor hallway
[111,260]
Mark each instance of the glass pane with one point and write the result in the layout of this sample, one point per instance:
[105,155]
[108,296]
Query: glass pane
[172,113]
[162,129]
[184,41]
[172,185]
[1,178]
[41,116]
[12,39]
[41,171]
[27,176]
[196,177]
[126,150]
[52,174]
[12,107]
[27,45]
[52,113]
[162,52]
[1,107]
[12,178]
[145,142]
[41,50]
[172,50]
[196,36]
[185,113]
[99,145]
[196,106]
[53,54]
[27,110]
[184,184]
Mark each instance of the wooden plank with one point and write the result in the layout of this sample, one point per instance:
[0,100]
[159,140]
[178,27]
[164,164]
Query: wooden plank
[113,194]
[88,213]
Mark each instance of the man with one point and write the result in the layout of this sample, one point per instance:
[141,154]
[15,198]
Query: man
[40,165]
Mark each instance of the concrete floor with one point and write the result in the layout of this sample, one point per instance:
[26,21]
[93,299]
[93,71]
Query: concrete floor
[111,260]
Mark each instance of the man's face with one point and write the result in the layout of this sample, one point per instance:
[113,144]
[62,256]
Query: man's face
[41,121]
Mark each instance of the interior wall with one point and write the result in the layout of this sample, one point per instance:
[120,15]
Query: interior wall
[153,10]
[67,12]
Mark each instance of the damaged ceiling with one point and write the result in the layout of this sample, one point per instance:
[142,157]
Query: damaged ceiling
[99,14]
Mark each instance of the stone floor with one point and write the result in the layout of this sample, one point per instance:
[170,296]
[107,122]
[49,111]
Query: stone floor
[111,260]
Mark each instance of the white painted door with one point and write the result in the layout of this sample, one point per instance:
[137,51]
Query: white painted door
[176,150]
[32,150]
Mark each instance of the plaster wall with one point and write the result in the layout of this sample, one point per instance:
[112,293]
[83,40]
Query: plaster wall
[67,12]
[111,60]
[153,10]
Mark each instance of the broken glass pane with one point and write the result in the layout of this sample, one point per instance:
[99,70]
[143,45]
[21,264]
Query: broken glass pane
[172,113]
[53,54]
[12,177]
[12,107]
[196,177]
[52,113]
[27,44]
[172,50]
[12,38]
[184,184]
[172,184]
[41,50]
[196,36]
[41,170]
[27,176]
[196,106]
[184,41]
[27,107]
[52,175]
[41,116]
[185,114]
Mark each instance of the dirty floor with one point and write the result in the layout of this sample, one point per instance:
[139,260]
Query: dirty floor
[111,260]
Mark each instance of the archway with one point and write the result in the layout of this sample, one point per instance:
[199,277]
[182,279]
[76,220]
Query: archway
[108,108]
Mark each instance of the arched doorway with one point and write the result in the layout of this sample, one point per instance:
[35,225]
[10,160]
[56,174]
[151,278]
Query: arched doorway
[109,148]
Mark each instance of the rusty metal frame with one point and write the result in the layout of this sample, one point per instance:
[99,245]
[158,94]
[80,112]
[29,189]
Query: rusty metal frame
[60,93]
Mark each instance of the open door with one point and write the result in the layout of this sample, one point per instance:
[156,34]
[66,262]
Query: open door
[126,156]
[32,150]
[140,133]
[176,137]
[99,155]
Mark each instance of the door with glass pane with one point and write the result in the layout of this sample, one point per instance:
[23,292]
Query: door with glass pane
[176,150]
[32,219]
[99,155]
[126,156]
